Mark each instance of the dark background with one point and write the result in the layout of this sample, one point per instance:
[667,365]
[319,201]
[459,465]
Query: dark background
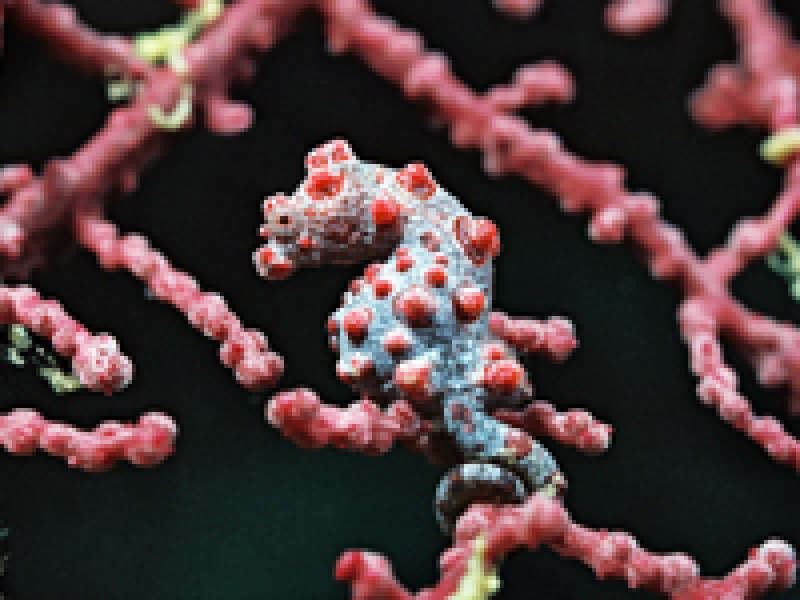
[241,513]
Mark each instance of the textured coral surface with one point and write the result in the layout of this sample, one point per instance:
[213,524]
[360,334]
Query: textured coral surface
[240,513]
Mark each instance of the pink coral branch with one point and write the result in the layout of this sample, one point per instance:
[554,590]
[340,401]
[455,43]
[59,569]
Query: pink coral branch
[533,85]
[96,359]
[37,206]
[147,442]
[58,25]
[574,427]
[99,365]
[554,337]
[633,17]
[242,350]
[762,89]
[303,418]
[718,384]
[624,17]
[544,522]
[518,8]
[754,238]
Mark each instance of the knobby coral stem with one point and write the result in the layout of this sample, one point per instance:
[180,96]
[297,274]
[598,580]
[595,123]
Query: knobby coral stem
[718,385]
[145,443]
[542,521]
[130,138]
[553,337]
[624,17]
[633,17]
[58,25]
[761,89]
[574,427]
[242,350]
[96,359]
[363,427]
[755,238]
[99,365]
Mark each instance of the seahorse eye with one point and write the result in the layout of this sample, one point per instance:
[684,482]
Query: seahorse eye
[282,222]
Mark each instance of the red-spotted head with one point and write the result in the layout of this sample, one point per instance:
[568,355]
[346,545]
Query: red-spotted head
[336,215]
[283,228]
[295,226]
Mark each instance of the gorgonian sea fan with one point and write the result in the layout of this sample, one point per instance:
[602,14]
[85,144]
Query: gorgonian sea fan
[415,332]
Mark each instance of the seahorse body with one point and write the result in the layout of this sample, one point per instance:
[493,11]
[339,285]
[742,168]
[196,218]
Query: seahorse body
[415,326]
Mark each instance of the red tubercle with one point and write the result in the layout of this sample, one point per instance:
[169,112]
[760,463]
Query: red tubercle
[306,242]
[416,306]
[493,351]
[355,286]
[468,303]
[355,324]
[479,238]
[316,160]
[281,268]
[340,151]
[323,184]
[332,326]
[518,443]
[403,262]
[270,203]
[333,152]
[265,255]
[504,376]
[431,241]
[484,237]
[412,377]
[357,367]
[382,288]
[273,264]
[416,180]
[385,210]
[436,276]
[371,272]
[397,341]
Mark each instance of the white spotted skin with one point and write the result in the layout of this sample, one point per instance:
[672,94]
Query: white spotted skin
[451,346]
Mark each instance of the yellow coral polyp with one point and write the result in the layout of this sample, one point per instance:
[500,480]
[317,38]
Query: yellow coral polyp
[179,115]
[163,45]
[780,146]
[209,11]
[478,583]
[19,337]
[786,262]
[60,382]
[166,46]
[155,47]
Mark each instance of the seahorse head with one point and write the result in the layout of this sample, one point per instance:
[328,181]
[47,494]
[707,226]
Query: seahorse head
[336,215]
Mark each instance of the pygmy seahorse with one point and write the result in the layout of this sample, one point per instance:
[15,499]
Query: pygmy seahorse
[416,326]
